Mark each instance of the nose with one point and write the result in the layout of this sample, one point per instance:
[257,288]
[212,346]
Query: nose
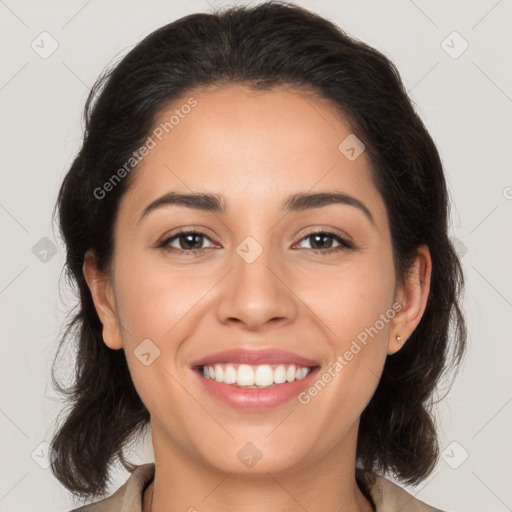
[255,294]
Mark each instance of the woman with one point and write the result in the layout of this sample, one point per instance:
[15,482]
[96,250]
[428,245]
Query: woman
[257,224]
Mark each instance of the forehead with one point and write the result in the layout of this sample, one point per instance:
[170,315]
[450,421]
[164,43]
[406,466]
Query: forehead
[251,146]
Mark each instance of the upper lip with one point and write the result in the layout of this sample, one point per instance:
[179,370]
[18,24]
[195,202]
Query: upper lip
[255,357]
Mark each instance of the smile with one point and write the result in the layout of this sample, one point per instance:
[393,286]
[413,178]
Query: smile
[260,376]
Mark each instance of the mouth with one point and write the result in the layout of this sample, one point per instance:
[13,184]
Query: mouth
[254,376]
[248,379]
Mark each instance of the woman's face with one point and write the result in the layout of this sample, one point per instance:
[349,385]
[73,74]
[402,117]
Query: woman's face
[258,278]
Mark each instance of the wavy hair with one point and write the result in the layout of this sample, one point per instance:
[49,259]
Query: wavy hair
[269,45]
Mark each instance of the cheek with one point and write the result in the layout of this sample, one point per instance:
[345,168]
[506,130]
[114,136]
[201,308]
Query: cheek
[154,304]
[154,297]
[356,305]
[351,297]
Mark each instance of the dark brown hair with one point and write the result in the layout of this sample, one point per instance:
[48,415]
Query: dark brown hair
[263,46]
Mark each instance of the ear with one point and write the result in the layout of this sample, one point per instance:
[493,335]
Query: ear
[413,295]
[104,301]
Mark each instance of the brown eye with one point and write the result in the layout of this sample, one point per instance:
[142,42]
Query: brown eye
[323,241]
[185,242]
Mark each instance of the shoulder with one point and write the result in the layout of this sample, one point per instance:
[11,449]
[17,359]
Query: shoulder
[390,497]
[128,498]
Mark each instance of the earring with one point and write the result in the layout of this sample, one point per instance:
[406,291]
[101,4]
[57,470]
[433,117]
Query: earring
[399,339]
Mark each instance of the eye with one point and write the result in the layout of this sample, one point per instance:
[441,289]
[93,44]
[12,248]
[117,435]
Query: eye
[189,241]
[321,241]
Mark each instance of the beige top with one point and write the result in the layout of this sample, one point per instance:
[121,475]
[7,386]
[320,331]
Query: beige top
[388,497]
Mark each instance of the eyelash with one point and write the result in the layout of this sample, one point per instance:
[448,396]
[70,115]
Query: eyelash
[344,244]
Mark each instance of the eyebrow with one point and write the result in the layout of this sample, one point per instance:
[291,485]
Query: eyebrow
[215,203]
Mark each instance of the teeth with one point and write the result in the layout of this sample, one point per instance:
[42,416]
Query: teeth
[301,373]
[280,374]
[219,373]
[290,374]
[264,375]
[229,374]
[244,375]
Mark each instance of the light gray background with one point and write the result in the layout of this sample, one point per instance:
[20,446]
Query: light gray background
[466,103]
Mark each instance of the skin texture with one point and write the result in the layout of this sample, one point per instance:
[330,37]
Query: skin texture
[254,148]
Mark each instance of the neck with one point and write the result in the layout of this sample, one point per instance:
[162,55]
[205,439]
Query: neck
[184,484]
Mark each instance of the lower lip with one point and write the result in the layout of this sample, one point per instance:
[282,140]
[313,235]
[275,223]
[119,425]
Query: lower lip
[256,398]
